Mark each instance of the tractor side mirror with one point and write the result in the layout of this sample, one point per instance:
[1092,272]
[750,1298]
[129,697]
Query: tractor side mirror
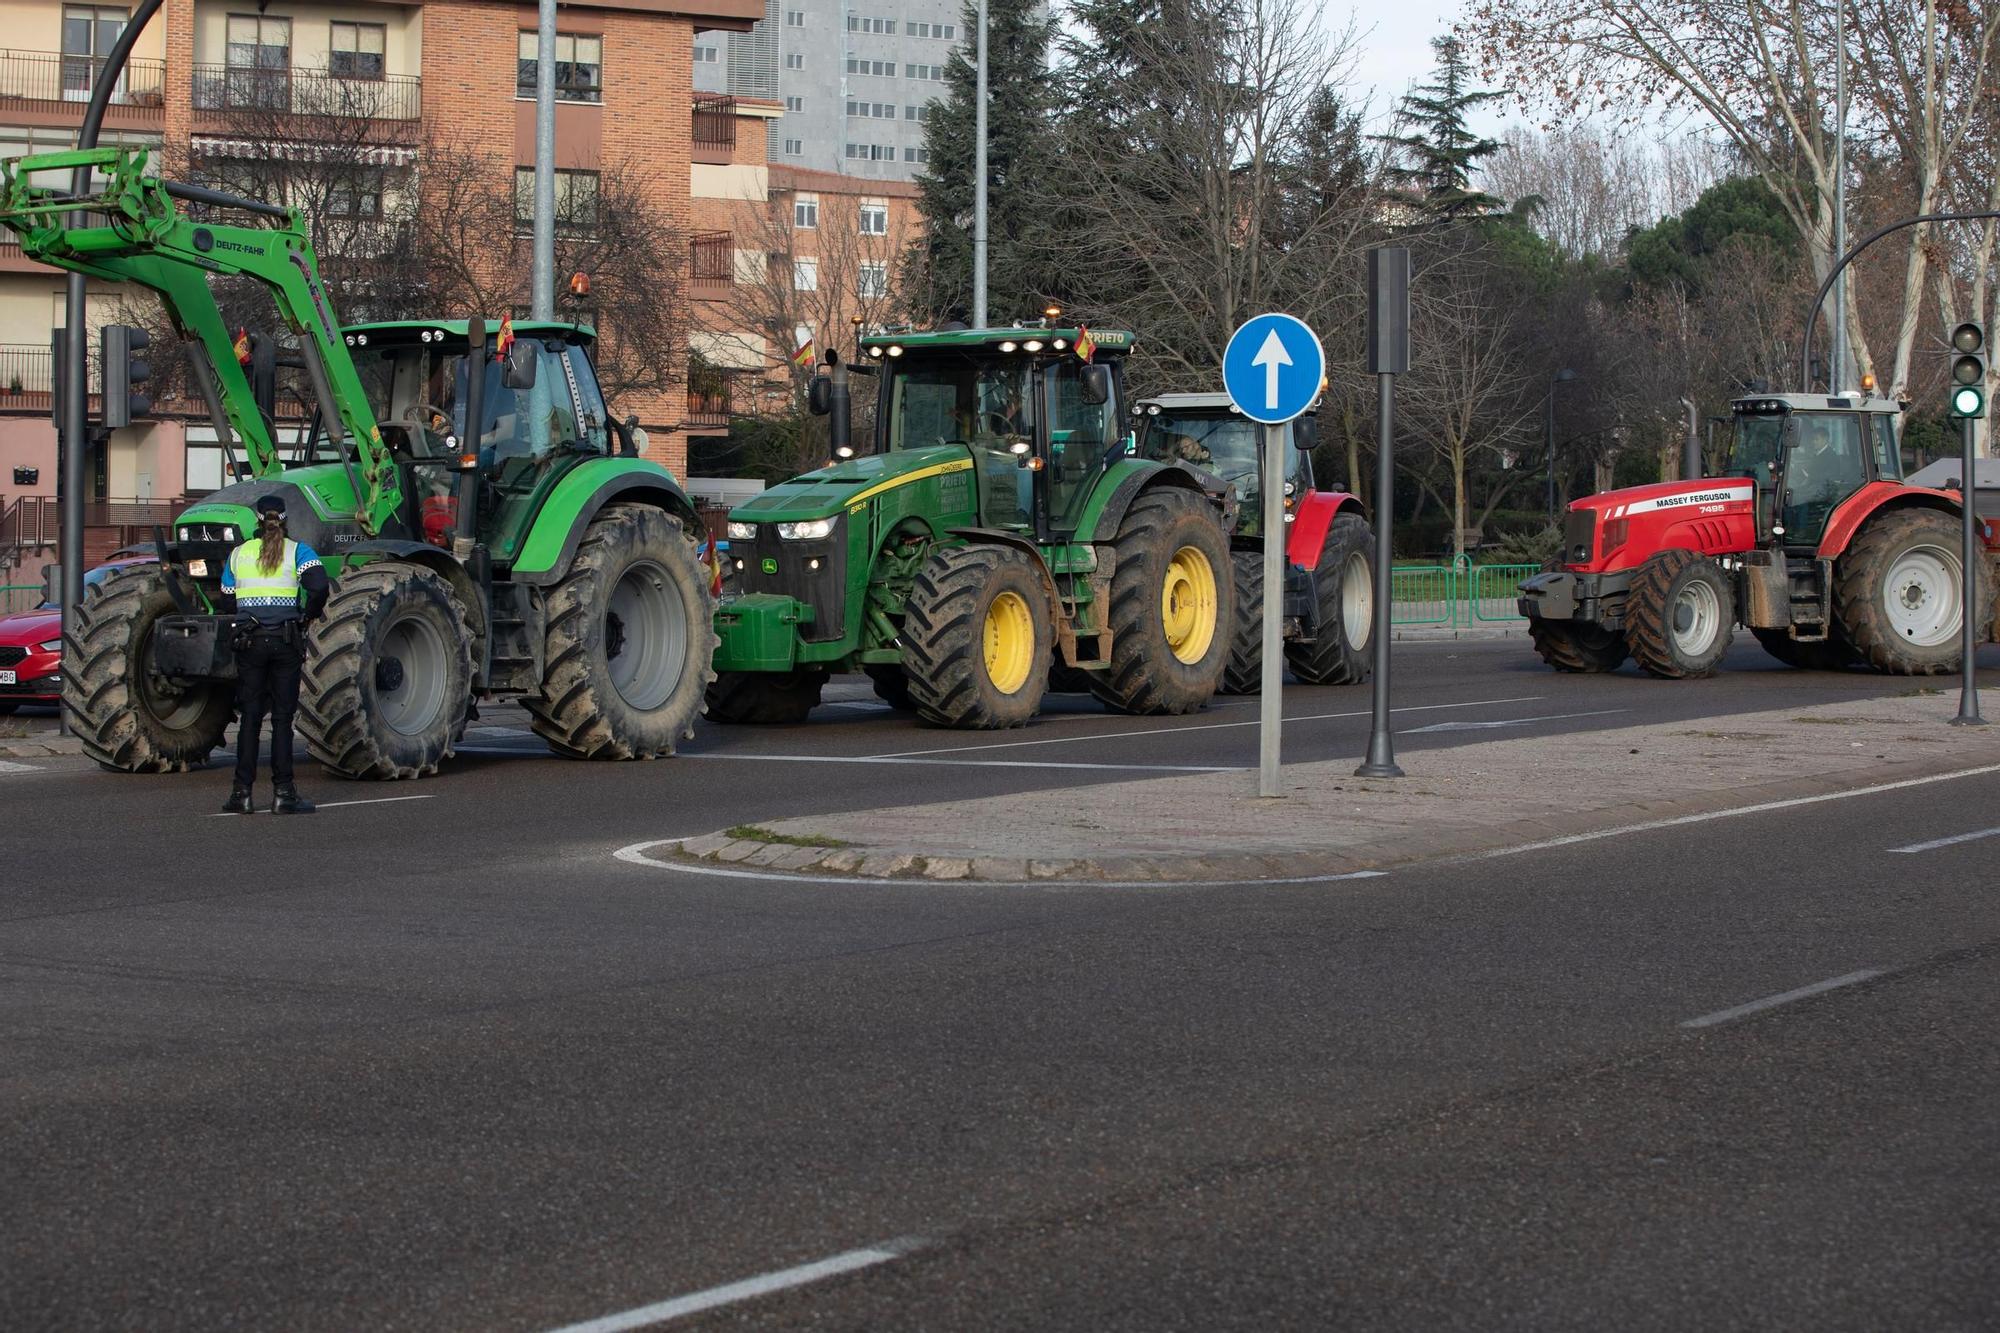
[1096,385]
[52,584]
[520,368]
[1305,433]
[819,395]
[628,436]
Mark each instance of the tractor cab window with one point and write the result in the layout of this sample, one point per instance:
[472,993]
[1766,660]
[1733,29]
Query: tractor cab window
[1824,464]
[1888,457]
[983,402]
[1225,445]
[594,426]
[413,393]
[1754,451]
[1081,433]
[523,428]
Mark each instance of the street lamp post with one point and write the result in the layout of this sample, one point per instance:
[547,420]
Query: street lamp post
[1563,376]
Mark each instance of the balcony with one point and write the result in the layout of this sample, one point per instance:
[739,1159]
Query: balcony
[708,406]
[712,267]
[305,105]
[714,134]
[38,82]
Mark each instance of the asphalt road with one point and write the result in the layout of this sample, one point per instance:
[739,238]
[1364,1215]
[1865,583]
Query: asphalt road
[447,1063]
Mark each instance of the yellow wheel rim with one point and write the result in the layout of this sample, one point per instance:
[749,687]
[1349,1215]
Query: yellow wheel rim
[1187,604]
[1010,642]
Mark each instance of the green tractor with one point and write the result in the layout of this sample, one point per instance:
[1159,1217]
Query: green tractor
[999,527]
[490,529]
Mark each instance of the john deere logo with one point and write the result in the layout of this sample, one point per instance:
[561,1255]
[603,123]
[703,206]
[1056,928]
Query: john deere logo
[768,564]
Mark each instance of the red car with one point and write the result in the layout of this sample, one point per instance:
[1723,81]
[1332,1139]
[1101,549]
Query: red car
[31,649]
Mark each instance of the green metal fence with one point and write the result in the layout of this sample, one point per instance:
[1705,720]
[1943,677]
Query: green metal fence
[1456,595]
[19,597]
[1423,595]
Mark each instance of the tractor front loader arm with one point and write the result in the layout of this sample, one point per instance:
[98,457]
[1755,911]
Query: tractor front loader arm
[137,234]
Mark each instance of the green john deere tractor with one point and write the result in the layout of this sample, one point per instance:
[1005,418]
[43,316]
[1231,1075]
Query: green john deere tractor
[517,549]
[999,527]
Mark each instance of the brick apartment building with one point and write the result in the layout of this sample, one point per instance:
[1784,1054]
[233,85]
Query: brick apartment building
[216,82]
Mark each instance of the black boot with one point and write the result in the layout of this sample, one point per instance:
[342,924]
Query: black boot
[287,800]
[240,801]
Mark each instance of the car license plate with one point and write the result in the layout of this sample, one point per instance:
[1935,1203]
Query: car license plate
[7,678]
[198,568]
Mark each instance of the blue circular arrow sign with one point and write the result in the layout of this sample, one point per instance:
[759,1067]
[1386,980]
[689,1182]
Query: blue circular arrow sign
[1272,368]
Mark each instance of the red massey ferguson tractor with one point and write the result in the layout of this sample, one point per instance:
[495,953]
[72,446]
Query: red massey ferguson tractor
[1810,538]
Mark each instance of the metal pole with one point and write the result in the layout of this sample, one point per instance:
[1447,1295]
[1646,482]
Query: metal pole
[1272,703]
[1837,374]
[543,274]
[1549,447]
[979,183]
[1971,550]
[72,441]
[1381,762]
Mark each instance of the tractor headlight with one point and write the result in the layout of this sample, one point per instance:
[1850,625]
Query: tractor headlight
[799,532]
[743,532]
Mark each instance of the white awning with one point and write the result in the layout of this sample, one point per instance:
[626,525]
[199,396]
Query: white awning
[373,155]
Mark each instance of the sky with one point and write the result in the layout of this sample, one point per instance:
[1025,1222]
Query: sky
[1395,37]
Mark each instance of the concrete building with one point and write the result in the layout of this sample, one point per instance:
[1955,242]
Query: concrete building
[856,80]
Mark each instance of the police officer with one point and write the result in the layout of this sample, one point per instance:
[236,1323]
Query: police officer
[266,575]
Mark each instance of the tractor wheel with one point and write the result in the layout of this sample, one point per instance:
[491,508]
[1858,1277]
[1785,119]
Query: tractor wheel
[631,633]
[1171,604]
[1831,654]
[1243,673]
[388,674]
[1577,645]
[1898,592]
[892,687]
[130,719]
[1344,581]
[976,631]
[1679,615]
[764,698]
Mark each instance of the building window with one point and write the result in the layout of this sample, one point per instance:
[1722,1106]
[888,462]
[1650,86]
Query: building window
[795,104]
[579,67]
[795,61]
[871,152]
[805,275]
[88,34]
[259,56]
[935,73]
[795,148]
[805,212]
[872,110]
[360,195]
[886,27]
[918,155]
[919,114]
[707,55]
[885,69]
[576,201]
[948,31]
[355,50]
[874,219]
[795,18]
[872,279]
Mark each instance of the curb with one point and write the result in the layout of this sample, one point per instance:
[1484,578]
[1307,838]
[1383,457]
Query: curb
[1465,634]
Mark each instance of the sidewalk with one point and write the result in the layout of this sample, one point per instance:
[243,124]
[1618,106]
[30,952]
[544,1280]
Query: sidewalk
[1470,798]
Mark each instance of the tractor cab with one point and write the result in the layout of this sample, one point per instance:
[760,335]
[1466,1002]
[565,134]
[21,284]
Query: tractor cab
[1808,454]
[1206,430]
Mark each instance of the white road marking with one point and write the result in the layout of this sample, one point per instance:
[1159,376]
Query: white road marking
[1773,1001]
[1203,726]
[1508,722]
[965,763]
[749,1289]
[9,766]
[636,855]
[335,805]
[1761,808]
[1936,843]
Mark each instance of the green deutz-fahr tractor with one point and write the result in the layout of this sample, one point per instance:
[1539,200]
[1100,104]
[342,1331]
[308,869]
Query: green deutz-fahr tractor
[524,552]
[999,528]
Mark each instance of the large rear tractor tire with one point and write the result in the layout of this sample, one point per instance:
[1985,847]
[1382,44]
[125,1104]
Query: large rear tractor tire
[1344,581]
[1243,673]
[1898,592]
[1172,602]
[1833,654]
[630,638]
[1679,616]
[1579,646]
[977,635]
[764,698]
[129,718]
[388,674]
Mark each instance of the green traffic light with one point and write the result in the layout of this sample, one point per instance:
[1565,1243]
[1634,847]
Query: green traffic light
[1967,402]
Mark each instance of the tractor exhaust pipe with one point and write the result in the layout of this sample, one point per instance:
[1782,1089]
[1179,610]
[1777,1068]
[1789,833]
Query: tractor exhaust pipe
[1691,445]
[840,424]
[467,498]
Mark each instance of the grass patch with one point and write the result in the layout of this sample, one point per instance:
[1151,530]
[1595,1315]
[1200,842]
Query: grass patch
[756,833]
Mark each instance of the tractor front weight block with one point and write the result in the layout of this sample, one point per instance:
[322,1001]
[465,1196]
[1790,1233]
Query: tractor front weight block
[195,647]
[759,631]
[1562,595]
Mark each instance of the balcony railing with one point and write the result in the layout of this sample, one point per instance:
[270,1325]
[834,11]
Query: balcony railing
[26,377]
[230,99]
[714,130]
[39,79]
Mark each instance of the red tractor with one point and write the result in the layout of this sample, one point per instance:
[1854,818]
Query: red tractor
[1329,574]
[1810,538]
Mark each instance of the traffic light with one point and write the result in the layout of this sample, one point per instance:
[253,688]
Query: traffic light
[1968,370]
[124,368]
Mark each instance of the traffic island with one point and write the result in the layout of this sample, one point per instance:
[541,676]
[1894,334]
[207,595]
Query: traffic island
[1467,800]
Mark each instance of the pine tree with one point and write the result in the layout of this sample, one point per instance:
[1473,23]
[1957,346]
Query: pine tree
[937,272]
[1435,150]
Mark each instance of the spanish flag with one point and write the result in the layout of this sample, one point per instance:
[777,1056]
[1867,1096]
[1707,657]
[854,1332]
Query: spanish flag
[505,339]
[1086,346]
[804,357]
[242,347]
[712,558]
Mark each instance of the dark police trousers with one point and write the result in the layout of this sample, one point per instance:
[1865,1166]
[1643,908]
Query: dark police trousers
[267,681]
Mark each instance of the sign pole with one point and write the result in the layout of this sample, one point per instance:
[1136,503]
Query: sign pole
[1971,550]
[1388,356]
[1271,703]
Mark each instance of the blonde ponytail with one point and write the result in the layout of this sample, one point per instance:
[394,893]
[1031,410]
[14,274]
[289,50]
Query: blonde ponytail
[271,533]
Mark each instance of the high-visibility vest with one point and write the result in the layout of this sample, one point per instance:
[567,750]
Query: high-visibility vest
[257,590]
